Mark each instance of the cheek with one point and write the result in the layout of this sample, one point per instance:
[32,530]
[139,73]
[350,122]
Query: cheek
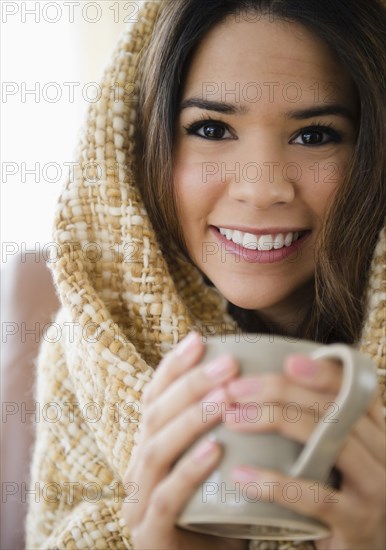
[196,192]
[184,178]
[321,181]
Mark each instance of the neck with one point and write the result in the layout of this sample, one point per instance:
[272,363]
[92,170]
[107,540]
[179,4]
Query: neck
[287,316]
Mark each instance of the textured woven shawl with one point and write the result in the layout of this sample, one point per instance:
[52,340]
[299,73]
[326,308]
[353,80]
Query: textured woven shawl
[122,310]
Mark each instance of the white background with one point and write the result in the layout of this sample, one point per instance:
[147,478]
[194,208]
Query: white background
[37,129]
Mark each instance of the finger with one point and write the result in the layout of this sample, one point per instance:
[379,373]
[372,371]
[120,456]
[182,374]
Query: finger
[159,453]
[371,437]
[361,471]
[288,420]
[186,390]
[278,388]
[326,375]
[365,446]
[376,409]
[184,356]
[172,493]
[320,374]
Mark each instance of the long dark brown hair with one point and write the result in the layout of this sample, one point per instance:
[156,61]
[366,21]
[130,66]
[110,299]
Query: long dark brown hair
[355,30]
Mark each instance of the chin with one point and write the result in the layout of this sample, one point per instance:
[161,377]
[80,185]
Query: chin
[250,299]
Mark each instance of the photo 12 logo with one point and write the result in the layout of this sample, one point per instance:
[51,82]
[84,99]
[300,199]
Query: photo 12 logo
[70,12]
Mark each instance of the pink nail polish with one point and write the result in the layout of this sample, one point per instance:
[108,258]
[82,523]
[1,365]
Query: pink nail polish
[245,475]
[204,450]
[220,367]
[303,366]
[187,344]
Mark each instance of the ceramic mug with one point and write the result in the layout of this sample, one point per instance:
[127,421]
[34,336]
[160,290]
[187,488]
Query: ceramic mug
[221,506]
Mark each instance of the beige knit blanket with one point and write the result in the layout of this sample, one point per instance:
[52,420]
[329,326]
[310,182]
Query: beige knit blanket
[122,310]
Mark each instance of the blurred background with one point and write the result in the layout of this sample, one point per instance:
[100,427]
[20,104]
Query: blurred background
[52,57]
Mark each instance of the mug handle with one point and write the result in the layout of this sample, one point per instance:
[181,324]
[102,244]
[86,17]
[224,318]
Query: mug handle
[359,382]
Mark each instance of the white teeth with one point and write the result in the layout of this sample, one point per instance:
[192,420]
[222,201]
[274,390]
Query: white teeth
[288,239]
[250,241]
[237,237]
[264,242]
[279,241]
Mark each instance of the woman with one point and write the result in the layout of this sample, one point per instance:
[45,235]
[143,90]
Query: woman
[231,202]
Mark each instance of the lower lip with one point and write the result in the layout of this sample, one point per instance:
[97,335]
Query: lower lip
[259,256]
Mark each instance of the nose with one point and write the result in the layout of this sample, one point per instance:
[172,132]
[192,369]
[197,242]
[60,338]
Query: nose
[262,179]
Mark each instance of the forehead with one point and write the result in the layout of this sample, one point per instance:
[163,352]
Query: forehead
[265,52]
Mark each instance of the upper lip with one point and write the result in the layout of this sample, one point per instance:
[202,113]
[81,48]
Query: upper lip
[263,231]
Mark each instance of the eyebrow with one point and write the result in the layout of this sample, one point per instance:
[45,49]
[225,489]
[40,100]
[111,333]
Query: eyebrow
[210,105]
[232,109]
[322,110]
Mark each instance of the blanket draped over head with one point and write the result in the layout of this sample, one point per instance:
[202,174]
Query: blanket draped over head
[122,308]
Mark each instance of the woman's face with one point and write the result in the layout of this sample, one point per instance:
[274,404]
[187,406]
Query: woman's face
[264,135]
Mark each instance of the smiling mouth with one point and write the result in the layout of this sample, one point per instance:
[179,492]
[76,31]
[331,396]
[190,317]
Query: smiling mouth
[262,243]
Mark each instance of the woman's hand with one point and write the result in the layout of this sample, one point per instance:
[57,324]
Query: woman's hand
[356,512]
[172,420]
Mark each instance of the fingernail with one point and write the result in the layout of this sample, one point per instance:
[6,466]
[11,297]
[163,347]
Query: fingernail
[244,386]
[220,367]
[187,344]
[205,449]
[302,365]
[244,474]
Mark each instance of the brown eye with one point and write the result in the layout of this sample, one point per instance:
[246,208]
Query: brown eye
[208,129]
[213,131]
[317,135]
[312,137]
